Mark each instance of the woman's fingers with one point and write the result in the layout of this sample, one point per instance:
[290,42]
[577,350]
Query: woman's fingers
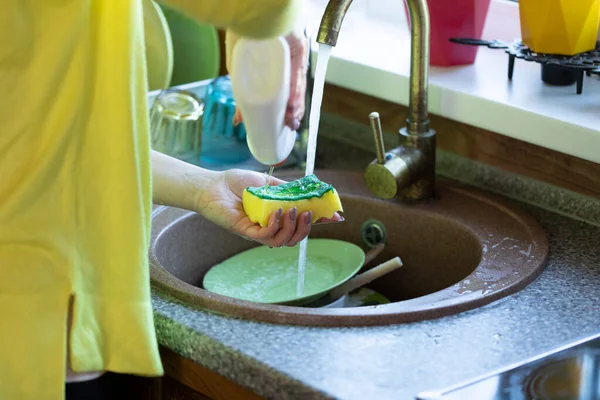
[262,235]
[299,63]
[293,230]
[299,51]
[336,218]
[287,230]
[237,117]
[303,226]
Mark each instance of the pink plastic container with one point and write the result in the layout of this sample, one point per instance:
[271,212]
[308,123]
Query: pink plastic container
[454,19]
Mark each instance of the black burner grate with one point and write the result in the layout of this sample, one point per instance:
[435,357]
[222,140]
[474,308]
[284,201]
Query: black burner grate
[587,63]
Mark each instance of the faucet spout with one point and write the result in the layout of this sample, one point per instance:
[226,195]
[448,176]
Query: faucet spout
[331,23]
[409,170]
[418,117]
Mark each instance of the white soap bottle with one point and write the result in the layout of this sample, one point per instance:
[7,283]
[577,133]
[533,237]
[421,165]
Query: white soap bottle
[260,79]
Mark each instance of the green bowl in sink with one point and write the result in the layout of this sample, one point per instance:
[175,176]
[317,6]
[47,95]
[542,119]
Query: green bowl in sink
[266,275]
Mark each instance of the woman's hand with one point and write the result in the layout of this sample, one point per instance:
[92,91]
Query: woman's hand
[218,197]
[221,203]
[298,43]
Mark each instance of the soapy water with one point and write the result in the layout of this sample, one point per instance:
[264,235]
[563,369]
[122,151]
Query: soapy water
[313,130]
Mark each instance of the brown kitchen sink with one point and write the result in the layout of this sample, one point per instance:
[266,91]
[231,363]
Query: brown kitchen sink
[461,251]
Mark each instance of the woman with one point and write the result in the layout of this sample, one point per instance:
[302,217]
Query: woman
[76,192]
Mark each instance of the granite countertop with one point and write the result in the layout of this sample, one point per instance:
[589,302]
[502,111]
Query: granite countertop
[397,362]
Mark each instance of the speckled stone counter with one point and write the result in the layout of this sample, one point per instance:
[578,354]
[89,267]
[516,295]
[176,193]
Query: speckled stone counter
[397,362]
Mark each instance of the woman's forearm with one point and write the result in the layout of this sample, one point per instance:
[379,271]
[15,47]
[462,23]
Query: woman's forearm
[176,183]
[248,18]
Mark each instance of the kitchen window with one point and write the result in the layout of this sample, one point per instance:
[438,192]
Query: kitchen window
[393,11]
[372,56]
[502,21]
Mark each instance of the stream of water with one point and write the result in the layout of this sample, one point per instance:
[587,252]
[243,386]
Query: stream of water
[313,130]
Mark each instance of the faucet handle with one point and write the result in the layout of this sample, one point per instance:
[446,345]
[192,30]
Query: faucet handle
[378,135]
[389,172]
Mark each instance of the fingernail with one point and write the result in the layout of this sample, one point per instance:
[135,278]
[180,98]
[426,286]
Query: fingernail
[295,124]
[293,213]
[308,217]
[342,219]
[276,218]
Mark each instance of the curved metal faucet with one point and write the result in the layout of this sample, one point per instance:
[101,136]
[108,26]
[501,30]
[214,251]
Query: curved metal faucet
[408,171]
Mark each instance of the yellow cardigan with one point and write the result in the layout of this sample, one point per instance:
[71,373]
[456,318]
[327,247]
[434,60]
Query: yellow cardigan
[75,184]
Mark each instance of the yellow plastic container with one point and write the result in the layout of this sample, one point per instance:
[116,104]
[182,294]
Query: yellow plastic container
[564,27]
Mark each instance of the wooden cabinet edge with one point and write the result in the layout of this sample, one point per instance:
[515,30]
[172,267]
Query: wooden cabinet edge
[201,380]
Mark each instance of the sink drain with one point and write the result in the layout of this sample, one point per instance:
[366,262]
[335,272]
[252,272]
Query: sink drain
[373,233]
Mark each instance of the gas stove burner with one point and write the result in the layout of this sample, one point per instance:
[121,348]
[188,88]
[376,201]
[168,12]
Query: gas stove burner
[587,63]
[553,381]
[569,372]
[574,377]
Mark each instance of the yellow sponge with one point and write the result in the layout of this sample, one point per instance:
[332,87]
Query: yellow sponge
[306,194]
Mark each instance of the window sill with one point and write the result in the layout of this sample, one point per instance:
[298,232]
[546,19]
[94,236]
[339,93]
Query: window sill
[366,60]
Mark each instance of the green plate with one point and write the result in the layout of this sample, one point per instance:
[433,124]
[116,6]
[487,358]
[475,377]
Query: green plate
[267,275]
[196,52]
